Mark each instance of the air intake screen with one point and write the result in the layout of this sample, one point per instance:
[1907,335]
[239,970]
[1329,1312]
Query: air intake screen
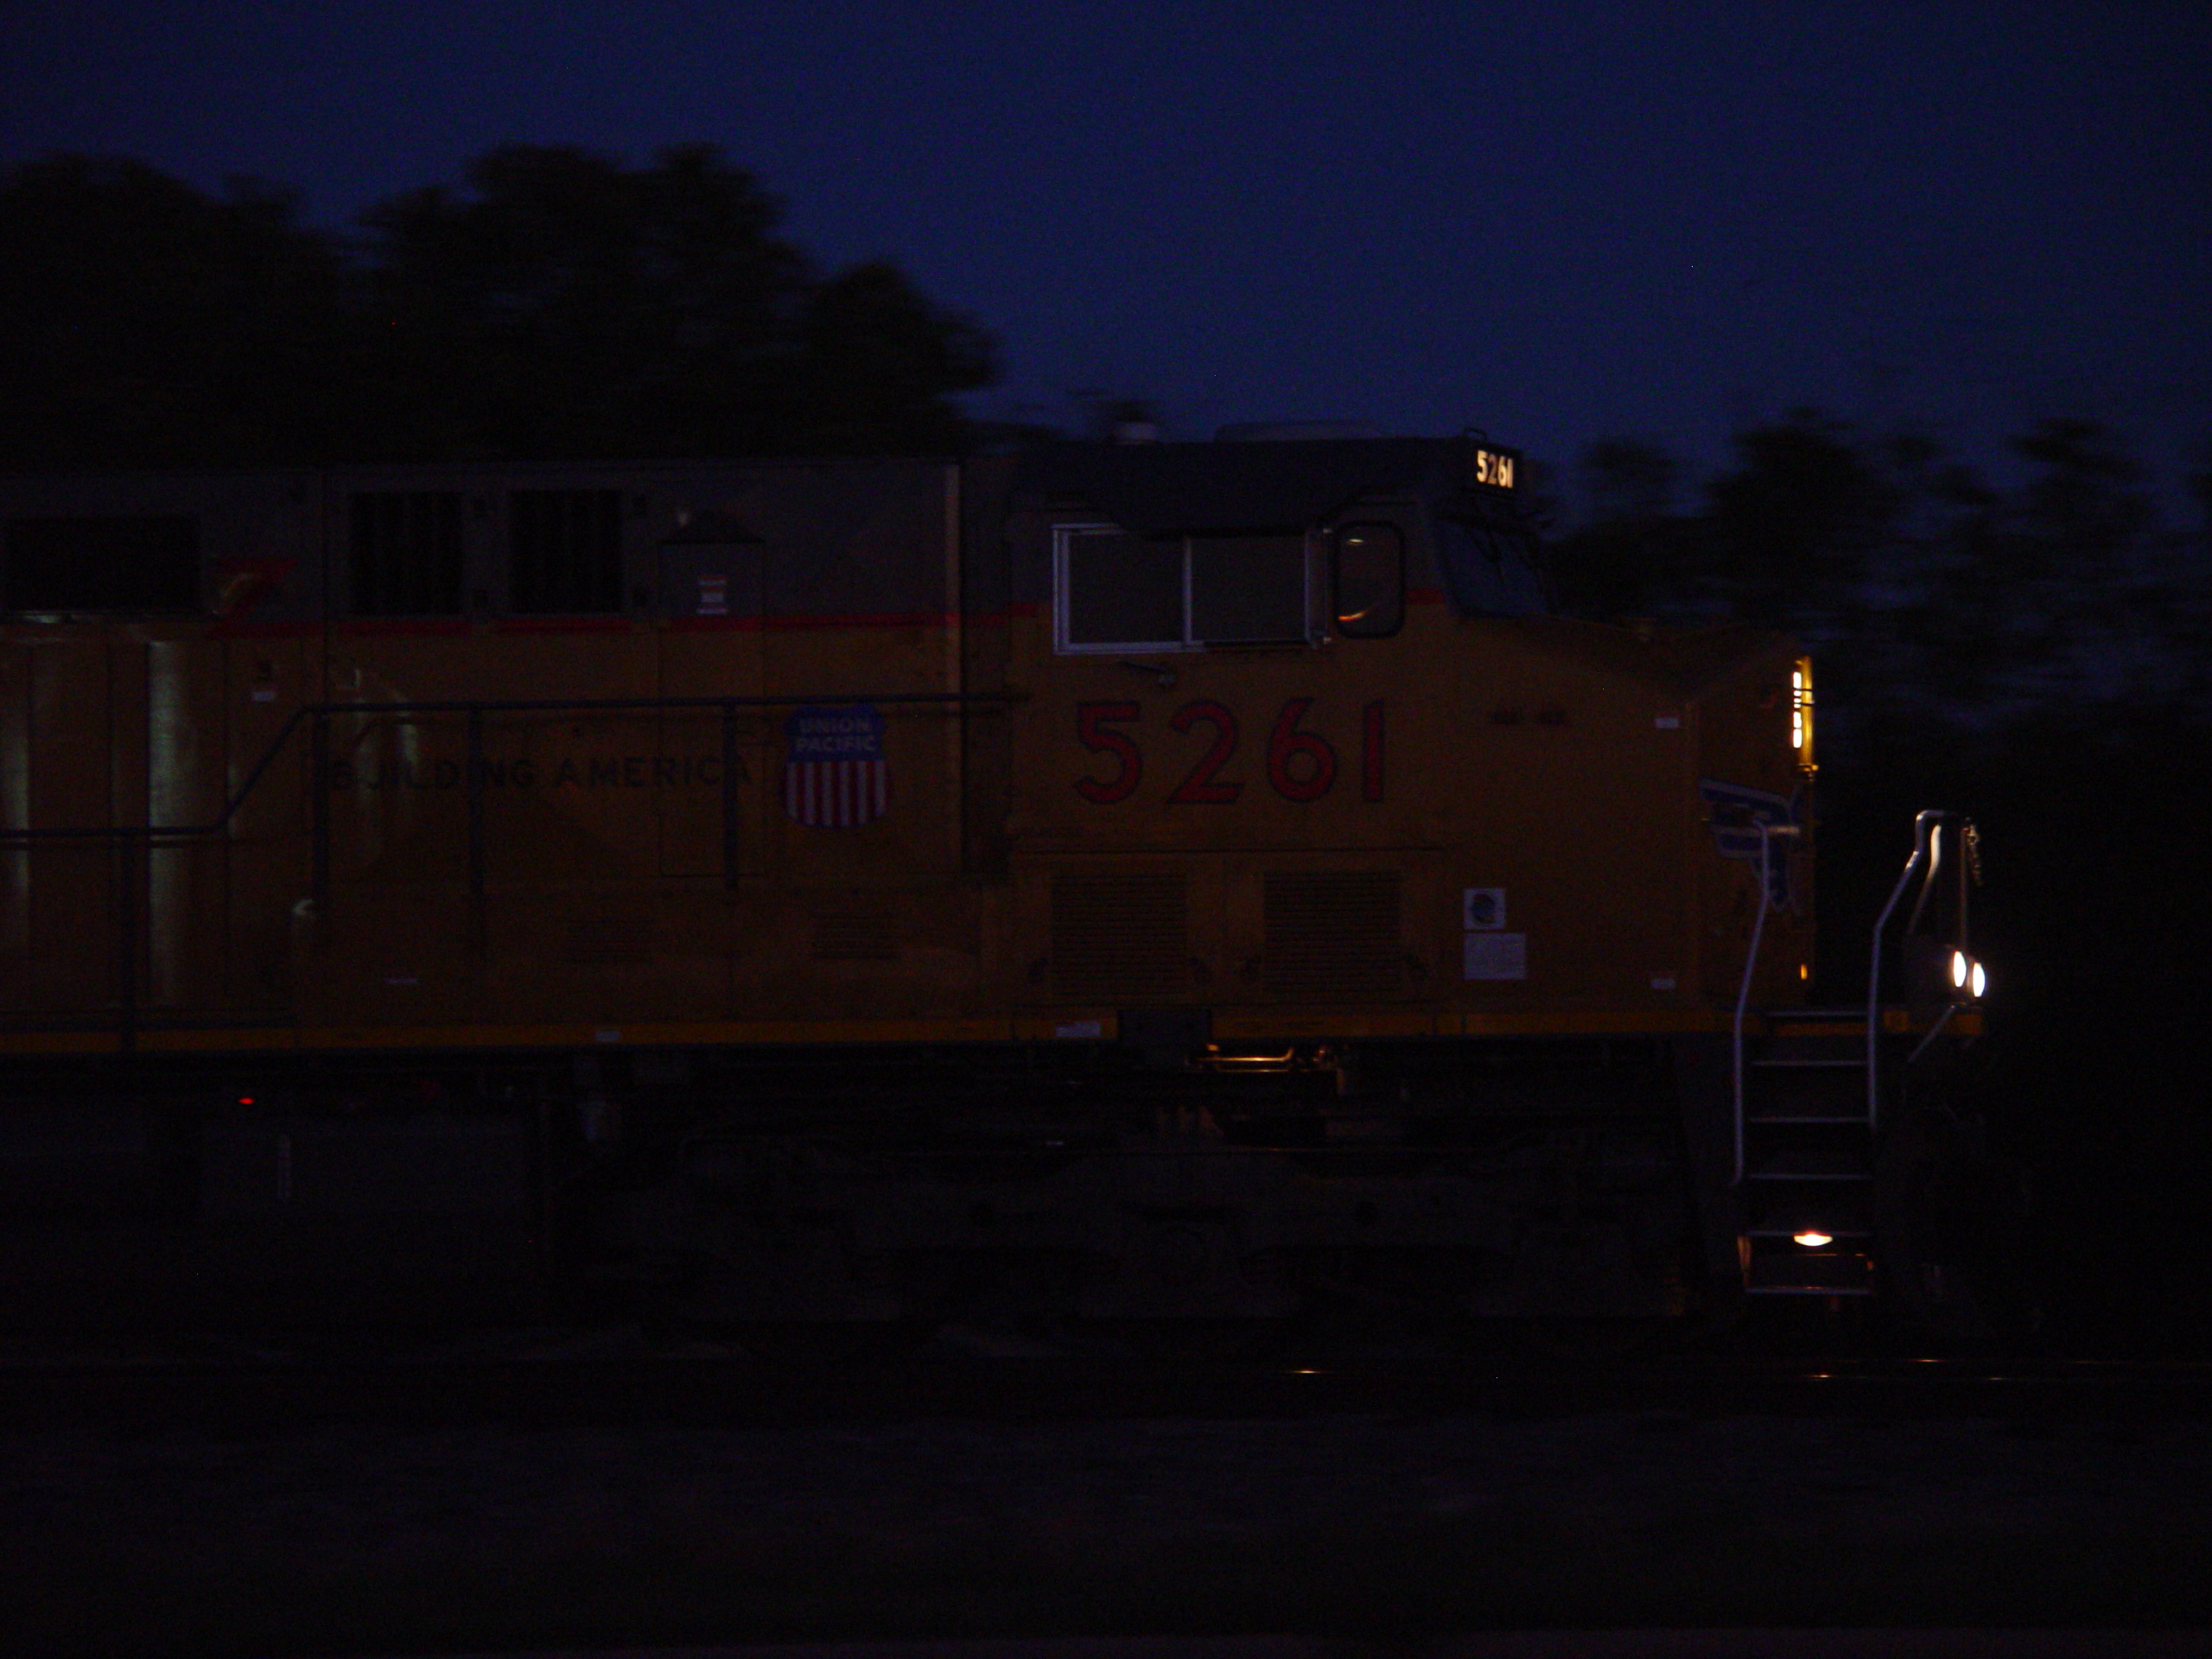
[1333,933]
[1119,936]
[567,549]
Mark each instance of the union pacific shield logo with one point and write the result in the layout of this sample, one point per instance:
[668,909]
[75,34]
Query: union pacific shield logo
[834,773]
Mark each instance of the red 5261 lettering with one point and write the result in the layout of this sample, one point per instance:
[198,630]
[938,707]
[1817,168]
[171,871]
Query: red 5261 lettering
[1301,764]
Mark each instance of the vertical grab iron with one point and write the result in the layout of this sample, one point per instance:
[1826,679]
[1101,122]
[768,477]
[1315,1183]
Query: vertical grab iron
[1767,832]
[1926,828]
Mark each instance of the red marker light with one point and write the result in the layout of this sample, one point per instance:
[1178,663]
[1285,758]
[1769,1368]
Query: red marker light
[245,1100]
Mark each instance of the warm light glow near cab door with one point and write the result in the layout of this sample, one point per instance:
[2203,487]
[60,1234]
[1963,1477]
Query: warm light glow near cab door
[1800,711]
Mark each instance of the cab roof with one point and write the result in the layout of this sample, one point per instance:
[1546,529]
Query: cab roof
[1284,485]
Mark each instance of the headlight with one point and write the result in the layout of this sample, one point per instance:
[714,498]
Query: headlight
[1968,976]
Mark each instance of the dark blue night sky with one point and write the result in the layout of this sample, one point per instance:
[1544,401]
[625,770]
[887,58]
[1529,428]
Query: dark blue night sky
[1557,222]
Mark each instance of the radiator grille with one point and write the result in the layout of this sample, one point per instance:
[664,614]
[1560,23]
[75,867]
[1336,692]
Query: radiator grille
[1119,935]
[1333,932]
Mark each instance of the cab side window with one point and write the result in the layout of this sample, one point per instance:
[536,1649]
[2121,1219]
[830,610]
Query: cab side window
[1247,590]
[1119,591]
[1369,571]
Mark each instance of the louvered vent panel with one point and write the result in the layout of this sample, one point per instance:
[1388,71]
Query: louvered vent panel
[1333,933]
[1119,936]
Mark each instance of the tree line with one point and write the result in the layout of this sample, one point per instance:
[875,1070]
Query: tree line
[1940,599]
[558,305]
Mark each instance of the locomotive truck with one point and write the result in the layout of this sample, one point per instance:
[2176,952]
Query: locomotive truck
[1151,883]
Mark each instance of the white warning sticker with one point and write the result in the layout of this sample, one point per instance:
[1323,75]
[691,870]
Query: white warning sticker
[1496,955]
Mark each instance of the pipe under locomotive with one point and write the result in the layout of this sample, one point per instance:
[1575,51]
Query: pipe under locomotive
[1138,883]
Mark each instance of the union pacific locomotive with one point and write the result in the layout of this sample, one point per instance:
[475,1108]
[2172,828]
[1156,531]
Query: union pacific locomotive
[1146,883]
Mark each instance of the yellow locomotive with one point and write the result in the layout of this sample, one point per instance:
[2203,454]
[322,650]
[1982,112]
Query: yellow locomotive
[1129,881]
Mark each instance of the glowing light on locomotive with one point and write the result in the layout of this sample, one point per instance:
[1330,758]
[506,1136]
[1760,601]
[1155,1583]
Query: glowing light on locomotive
[1968,976]
[1800,712]
[1812,1241]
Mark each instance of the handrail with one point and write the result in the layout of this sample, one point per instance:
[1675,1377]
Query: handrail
[1767,832]
[1927,882]
[1924,824]
[131,840]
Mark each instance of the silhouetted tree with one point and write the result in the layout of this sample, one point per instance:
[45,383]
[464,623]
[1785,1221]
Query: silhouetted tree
[560,305]
[2082,562]
[571,306]
[1791,535]
[2060,598]
[2200,485]
[566,305]
[1630,555]
[1627,481]
[1935,595]
[878,359]
[144,322]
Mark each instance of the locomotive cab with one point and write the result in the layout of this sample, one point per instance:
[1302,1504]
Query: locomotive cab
[1305,758]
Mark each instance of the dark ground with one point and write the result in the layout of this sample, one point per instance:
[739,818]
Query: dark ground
[1069,1497]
